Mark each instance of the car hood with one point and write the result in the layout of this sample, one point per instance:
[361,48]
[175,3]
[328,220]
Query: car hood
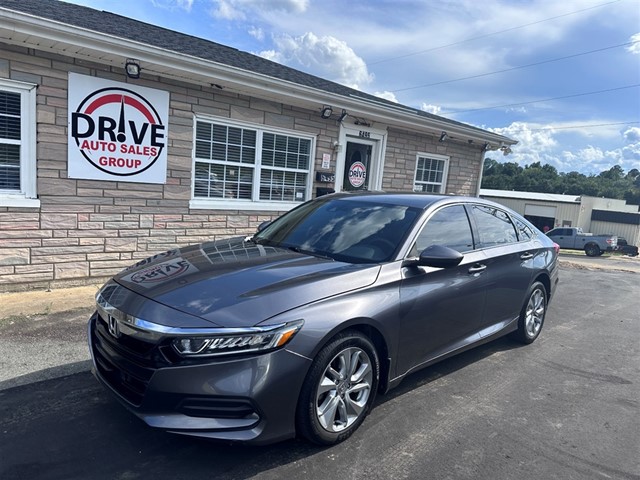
[234,283]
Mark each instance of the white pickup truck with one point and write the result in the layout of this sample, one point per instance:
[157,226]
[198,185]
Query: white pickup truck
[575,238]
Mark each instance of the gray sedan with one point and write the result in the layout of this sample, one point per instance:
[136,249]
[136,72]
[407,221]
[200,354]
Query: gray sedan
[295,329]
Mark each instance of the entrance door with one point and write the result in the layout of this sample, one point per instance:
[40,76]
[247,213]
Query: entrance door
[357,166]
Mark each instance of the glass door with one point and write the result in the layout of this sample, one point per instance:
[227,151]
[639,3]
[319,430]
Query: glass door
[357,167]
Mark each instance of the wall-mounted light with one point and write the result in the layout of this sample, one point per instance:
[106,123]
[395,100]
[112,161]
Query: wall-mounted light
[505,150]
[132,68]
[343,115]
[485,147]
[443,137]
[326,112]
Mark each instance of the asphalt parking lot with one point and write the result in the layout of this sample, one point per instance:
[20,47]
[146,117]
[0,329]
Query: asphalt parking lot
[566,407]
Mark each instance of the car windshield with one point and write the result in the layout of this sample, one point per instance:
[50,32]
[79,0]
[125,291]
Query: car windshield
[348,230]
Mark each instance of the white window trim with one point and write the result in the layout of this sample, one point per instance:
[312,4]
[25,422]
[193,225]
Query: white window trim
[445,171]
[26,197]
[377,138]
[250,205]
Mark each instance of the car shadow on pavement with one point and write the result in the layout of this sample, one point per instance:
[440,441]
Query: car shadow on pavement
[70,427]
[447,367]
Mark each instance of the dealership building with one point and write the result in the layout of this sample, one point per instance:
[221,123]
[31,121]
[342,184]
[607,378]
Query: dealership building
[120,140]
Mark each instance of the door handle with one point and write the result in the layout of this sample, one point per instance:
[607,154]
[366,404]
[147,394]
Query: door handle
[526,256]
[477,268]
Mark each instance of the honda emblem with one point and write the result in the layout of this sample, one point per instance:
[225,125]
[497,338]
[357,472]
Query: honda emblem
[112,323]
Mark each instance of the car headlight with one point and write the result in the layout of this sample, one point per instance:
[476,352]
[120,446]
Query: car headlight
[257,339]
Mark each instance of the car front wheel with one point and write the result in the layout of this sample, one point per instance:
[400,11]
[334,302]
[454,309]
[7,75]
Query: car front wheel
[532,314]
[339,390]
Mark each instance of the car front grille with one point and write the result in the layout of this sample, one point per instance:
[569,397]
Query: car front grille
[125,363]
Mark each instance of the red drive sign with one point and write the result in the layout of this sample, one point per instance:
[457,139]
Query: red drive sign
[117,131]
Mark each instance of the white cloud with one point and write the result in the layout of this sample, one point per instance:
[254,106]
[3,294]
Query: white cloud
[632,134]
[632,152]
[173,4]
[226,10]
[537,143]
[324,56]
[256,32]
[271,55]
[634,47]
[538,138]
[387,96]
[435,109]
[243,9]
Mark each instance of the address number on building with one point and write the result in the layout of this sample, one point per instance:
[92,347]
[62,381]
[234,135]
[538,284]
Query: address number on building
[362,134]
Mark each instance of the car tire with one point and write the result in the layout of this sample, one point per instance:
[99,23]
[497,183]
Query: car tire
[592,250]
[532,314]
[339,390]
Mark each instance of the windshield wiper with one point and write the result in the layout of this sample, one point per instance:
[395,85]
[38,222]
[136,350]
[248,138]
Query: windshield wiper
[309,252]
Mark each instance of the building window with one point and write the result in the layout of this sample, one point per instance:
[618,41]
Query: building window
[431,173]
[17,144]
[235,164]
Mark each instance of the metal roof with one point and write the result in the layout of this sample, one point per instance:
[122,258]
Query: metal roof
[546,197]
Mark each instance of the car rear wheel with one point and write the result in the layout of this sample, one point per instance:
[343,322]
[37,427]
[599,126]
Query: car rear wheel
[532,314]
[592,250]
[339,390]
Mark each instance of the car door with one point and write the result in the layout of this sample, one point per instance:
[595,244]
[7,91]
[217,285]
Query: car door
[509,263]
[441,308]
[562,236]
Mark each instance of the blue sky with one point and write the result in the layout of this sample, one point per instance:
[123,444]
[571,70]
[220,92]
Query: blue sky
[562,78]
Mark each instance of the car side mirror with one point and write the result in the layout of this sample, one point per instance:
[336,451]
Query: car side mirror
[264,225]
[439,256]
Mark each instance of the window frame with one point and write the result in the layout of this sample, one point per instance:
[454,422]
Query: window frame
[27,195]
[414,251]
[480,241]
[445,172]
[254,204]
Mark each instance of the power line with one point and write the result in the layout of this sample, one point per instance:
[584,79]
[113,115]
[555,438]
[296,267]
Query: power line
[542,62]
[491,34]
[590,125]
[543,100]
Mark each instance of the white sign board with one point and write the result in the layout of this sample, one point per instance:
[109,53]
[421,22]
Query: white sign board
[117,131]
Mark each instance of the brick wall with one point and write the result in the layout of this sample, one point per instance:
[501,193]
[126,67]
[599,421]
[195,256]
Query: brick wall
[87,230]
[465,161]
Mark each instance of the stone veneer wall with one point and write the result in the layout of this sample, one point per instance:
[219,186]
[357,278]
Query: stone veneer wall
[465,161]
[86,230]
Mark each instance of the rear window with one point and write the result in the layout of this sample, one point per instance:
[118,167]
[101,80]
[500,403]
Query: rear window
[494,226]
[524,231]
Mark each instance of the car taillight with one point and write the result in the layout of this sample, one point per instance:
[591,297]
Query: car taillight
[556,247]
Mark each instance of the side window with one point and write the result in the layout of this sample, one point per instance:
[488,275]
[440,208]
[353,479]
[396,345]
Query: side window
[524,232]
[449,227]
[494,226]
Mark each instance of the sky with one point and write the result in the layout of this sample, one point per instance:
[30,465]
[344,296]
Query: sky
[561,78]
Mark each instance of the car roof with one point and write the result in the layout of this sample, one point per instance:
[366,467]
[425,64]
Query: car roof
[409,199]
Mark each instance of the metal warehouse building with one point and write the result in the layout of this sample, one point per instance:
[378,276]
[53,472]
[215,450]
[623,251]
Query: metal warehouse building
[592,214]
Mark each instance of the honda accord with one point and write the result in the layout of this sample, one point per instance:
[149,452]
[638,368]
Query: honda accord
[295,329]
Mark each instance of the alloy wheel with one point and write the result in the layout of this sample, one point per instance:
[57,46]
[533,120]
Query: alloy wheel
[535,312]
[344,389]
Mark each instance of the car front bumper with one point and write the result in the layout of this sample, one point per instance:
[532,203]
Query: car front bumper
[247,399]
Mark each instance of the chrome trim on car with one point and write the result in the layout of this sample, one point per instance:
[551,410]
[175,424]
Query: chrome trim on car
[134,326]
